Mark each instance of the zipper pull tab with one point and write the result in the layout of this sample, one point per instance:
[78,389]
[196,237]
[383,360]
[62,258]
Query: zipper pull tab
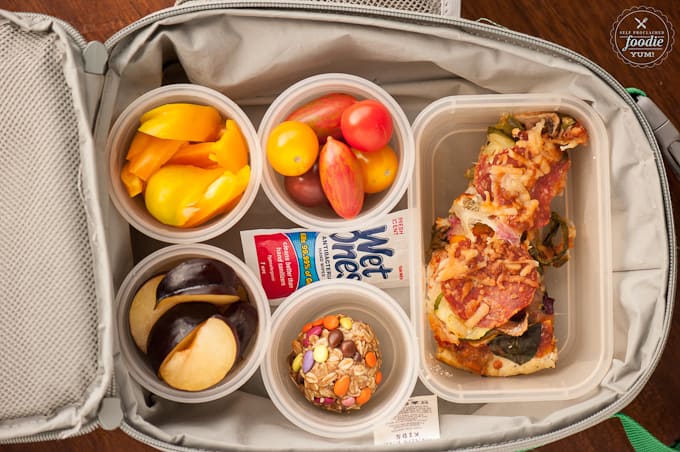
[95,56]
[110,414]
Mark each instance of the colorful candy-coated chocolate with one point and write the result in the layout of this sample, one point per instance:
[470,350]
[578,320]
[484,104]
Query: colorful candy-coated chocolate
[335,338]
[348,401]
[320,353]
[371,359]
[341,386]
[364,396]
[315,331]
[331,322]
[346,323]
[307,361]
[348,349]
[297,363]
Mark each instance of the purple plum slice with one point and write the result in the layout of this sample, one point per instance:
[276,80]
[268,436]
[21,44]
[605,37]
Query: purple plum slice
[203,358]
[200,279]
[173,327]
[243,318]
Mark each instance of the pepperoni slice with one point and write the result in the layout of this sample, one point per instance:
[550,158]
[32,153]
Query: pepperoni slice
[502,275]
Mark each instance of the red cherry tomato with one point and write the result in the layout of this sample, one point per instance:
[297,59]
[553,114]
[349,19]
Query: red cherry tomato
[366,125]
[306,189]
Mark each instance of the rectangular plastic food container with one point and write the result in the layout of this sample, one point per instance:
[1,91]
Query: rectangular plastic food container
[449,134]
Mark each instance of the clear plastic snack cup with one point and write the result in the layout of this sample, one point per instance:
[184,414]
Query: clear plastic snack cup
[362,302]
[449,134]
[133,209]
[323,218]
[138,363]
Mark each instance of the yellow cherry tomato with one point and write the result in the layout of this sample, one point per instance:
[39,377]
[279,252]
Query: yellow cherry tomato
[379,168]
[292,148]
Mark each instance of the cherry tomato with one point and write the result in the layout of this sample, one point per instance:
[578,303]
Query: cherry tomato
[366,125]
[292,148]
[379,168]
[306,188]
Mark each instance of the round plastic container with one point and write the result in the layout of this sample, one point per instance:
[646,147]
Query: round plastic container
[391,326]
[133,209]
[323,218]
[137,362]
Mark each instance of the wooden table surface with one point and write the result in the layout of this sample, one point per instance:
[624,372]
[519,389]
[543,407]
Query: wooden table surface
[585,29]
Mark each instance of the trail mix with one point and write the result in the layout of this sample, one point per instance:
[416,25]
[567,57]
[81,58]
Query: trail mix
[336,362]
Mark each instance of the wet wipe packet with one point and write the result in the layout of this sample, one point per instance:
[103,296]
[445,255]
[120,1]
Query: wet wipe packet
[288,259]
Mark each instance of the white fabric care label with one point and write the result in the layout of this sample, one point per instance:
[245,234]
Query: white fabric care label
[417,421]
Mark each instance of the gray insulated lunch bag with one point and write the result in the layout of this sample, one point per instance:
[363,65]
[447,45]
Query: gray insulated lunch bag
[66,250]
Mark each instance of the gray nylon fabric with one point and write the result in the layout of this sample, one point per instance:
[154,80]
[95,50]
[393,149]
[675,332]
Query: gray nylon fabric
[417,64]
[55,362]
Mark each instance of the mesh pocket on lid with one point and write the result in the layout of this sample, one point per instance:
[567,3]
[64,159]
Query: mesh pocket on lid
[423,6]
[48,307]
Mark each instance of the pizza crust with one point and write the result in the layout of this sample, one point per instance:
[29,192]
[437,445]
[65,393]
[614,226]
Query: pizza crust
[507,368]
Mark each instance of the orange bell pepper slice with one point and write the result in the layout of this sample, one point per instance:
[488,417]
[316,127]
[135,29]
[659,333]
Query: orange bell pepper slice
[230,151]
[196,154]
[133,184]
[147,154]
[182,122]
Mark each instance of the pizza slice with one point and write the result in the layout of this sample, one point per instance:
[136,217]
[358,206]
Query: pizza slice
[486,304]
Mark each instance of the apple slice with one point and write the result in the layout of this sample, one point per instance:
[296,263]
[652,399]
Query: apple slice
[199,279]
[203,359]
[144,312]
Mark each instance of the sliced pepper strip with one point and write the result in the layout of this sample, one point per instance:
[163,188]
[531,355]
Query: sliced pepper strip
[155,154]
[133,184]
[173,192]
[220,196]
[181,121]
[230,151]
[197,154]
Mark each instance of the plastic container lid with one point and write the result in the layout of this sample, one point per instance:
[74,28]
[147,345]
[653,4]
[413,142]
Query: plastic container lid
[323,218]
[449,134]
[137,363]
[121,134]
[391,326]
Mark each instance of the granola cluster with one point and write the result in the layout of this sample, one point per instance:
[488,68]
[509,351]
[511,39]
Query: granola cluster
[336,362]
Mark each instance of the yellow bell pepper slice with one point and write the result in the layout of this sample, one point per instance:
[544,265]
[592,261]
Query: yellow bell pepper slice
[174,191]
[147,154]
[220,196]
[183,122]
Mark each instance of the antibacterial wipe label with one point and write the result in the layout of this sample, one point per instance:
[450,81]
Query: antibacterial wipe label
[286,260]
